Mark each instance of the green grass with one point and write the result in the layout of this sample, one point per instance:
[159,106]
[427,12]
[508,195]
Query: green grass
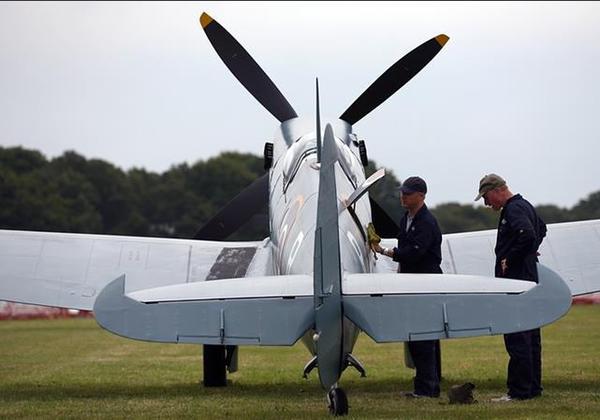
[73,369]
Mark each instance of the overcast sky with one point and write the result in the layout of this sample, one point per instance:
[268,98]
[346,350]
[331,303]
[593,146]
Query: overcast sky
[515,91]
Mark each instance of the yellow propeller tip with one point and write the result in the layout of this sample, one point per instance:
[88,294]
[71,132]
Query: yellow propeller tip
[205,19]
[442,39]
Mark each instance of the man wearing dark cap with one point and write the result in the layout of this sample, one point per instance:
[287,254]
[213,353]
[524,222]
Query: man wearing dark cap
[419,251]
[520,233]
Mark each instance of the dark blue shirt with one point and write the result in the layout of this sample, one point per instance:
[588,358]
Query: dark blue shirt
[420,248]
[520,233]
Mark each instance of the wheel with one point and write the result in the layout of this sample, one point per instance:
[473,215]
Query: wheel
[214,366]
[338,402]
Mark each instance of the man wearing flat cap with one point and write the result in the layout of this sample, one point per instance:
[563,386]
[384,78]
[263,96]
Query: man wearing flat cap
[419,251]
[520,233]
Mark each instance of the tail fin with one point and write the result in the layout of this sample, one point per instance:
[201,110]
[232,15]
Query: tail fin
[327,270]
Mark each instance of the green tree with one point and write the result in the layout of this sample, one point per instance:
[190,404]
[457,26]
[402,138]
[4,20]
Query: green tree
[588,208]
[455,217]
[553,214]
[73,194]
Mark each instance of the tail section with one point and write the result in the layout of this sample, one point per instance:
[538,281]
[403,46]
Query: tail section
[327,270]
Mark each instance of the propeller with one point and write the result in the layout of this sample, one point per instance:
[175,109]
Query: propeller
[393,79]
[246,70]
[385,226]
[237,212]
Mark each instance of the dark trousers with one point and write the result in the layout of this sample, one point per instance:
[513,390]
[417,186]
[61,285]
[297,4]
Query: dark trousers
[425,357]
[524,379]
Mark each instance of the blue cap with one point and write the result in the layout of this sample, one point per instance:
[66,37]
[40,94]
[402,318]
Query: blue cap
[413,184]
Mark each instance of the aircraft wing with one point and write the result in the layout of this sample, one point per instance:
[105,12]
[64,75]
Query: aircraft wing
[69,270]
[413,307]
[571,249]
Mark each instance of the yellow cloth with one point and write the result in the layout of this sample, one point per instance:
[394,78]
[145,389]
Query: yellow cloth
[372,235]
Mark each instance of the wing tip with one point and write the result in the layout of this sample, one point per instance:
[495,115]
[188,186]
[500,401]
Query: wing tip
[442,39]
[205,20]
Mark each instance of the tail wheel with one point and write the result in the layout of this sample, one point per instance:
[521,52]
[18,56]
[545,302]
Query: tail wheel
[338,402]
[362,150]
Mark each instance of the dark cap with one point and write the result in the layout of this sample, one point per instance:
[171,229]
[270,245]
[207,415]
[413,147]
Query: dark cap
[488,183]
[413,184]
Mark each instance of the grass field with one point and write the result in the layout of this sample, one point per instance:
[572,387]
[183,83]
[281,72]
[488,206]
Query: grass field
[74,369]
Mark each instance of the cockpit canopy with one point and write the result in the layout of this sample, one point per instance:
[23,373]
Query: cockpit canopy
[306,147]
[303,148]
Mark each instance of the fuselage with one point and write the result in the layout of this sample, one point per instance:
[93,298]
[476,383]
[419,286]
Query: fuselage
[293,198]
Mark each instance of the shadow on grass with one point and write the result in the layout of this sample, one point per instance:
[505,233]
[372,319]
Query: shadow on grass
[36,392]
[260,391]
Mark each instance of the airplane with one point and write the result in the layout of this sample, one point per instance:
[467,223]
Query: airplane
[314,278]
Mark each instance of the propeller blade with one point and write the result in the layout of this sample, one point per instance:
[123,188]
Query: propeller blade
[246,70]
[237,212]
[385,226]
[393,79]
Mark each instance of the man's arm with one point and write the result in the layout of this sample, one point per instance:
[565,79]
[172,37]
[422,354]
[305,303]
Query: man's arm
[525,239]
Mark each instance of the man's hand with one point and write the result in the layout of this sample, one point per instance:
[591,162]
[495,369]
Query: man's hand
[376,248]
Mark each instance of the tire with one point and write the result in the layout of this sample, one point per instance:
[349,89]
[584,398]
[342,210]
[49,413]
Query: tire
[338,402]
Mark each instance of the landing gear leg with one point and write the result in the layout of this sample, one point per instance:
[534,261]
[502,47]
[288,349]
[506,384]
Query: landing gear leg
[338,402]
[312,363]
[214,366]
[355,363]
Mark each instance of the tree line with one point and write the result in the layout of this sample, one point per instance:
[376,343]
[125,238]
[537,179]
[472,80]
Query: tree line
[70,193]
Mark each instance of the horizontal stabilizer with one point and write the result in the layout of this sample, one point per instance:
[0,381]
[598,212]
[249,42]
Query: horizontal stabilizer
[413,307]
[199,313]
